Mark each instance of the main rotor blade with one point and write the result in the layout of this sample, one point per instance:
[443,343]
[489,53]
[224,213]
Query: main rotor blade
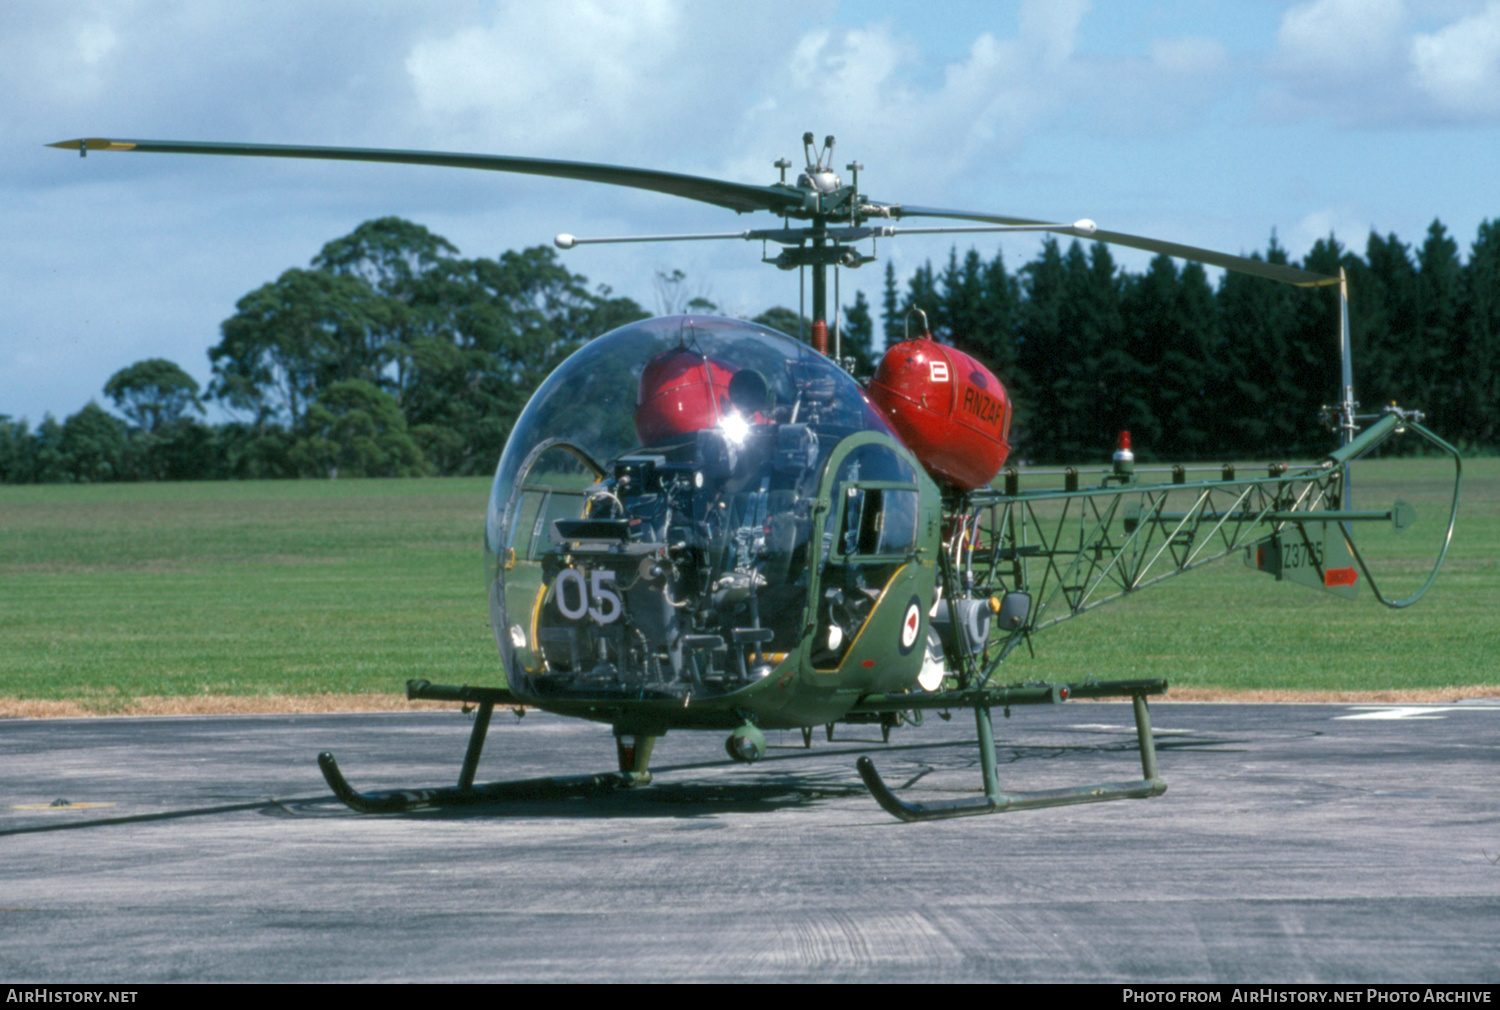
[1242,264]
[733,195]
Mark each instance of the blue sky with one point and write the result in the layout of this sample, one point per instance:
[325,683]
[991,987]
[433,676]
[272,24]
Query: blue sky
[1209,123]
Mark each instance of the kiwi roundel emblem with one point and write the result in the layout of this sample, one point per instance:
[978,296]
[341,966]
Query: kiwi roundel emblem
[911,626]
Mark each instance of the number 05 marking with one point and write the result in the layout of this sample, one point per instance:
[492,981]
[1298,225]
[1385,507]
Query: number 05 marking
[606,606]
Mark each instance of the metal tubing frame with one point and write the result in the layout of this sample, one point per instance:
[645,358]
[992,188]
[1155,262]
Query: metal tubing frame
[1073,551]
[1079,577]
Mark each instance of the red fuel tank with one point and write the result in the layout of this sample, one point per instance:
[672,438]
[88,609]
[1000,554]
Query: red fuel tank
[948,408]
[680,391]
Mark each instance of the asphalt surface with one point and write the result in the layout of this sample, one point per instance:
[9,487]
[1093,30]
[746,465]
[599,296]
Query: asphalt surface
[1296,843]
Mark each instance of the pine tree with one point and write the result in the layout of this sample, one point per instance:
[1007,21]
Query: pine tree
[1257,319]
[1106,383]
[1174,333]
[1383,322]
[1313,367]
[1478,419]
[890,313]
[1038,429]
[1439,351]
[995,337]
[857,335]
[962,309]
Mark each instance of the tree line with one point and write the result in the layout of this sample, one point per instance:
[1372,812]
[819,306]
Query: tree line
[1240,370]
[392,355]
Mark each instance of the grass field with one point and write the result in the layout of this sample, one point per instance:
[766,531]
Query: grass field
[115,595]
[117,592]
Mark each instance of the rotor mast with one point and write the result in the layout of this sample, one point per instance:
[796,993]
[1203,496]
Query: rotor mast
[825,199]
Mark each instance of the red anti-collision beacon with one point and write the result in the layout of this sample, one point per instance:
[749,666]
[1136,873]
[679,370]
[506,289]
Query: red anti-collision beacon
[948,408]
[1124,459]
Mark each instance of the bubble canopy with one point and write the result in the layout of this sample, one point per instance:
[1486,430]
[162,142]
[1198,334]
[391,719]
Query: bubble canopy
[662,475]
[590,401]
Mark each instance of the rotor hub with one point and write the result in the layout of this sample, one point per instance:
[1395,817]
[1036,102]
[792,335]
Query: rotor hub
[820,180]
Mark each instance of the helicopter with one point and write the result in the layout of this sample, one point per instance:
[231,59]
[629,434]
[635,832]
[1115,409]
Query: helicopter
[699,523]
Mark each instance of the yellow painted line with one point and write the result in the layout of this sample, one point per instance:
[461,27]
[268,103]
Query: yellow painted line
[52,806]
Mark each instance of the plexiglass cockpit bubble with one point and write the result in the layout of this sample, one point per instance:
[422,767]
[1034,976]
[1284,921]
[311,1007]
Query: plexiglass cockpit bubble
[651,518]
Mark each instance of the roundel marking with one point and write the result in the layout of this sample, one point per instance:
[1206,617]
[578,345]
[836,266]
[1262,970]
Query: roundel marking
[911,626]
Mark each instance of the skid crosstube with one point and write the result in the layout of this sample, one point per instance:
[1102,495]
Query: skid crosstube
[466,792]
[996,802]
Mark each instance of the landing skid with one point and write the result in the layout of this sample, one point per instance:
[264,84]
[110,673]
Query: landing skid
[403,800]
[996,802]
[636,755]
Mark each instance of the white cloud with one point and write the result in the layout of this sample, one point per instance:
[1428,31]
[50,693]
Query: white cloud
[1051,29]
[1458,66]
[550,70]
[274,70]
[94,41]
[740,87]
[608,79]
[984,105]
[855,83]
[47,56]
[726,89]
[1340,39]
[1366,63]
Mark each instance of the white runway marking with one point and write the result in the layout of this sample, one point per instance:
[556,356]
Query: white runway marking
[1415,711]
